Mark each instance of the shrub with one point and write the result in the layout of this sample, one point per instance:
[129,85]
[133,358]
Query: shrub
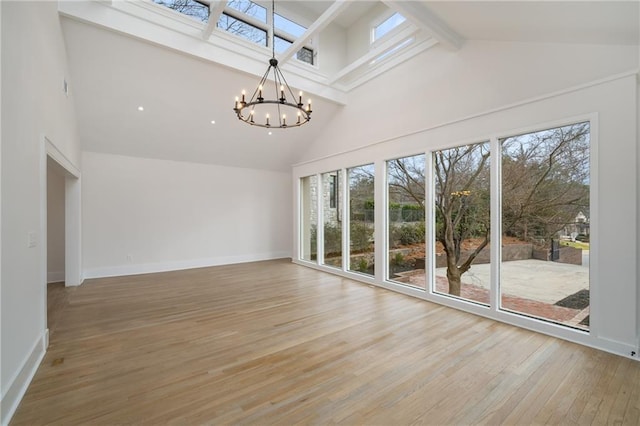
[412,213]
[361,236]
[314,241]
[363,265]
[397,260]
[332,238]
[412,233]
[407,234]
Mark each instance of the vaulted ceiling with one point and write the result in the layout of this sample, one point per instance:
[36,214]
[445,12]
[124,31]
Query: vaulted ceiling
[119,60]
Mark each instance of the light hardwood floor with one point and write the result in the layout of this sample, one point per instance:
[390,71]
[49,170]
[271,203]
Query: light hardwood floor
[276,343]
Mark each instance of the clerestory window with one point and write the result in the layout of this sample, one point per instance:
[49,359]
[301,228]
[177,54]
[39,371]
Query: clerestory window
[197,10]
[250,21]
[386,26]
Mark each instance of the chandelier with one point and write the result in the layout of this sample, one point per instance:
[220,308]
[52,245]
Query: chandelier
[273,113]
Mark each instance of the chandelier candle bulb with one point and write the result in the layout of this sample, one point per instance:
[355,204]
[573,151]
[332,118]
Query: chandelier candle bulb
[299,99]
[267,120]
[260,93]
[243,93]
[284,119]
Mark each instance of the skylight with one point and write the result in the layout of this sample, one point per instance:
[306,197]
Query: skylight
[387,25]
[246,26]
[289,26]
[249,8]
[242,29]
[248,20]
[191,8]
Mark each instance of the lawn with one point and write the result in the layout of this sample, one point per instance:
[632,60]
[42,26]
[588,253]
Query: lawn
[575,244]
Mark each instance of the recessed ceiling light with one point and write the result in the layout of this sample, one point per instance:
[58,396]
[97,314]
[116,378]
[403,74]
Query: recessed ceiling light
[213,121]
[140,108]
[269,133]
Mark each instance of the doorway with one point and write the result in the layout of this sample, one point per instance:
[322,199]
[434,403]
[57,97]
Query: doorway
[57,295]
[61,230]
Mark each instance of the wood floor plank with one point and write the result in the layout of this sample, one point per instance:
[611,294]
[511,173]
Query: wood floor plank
[276,343]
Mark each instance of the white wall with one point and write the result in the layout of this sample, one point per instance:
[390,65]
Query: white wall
[145,215]
[332,51]
[55,224]
[440,85]
[359,33]
[493,89]
[33,106]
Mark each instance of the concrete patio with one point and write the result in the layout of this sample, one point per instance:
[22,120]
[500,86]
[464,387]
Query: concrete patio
[532,287]
[532,279]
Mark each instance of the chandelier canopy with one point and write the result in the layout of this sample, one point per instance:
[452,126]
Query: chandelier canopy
[273,113]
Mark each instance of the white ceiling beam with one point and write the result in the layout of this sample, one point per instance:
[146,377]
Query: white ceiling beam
[374,53]
[318,25]
[420,15]
[216,7]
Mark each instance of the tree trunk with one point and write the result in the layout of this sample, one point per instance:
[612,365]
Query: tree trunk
[453,275]
[452,250]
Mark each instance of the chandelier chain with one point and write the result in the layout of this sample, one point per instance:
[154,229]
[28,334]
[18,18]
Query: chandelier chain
[273,28]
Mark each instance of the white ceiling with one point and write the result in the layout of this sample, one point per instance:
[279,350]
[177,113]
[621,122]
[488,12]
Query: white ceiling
[597,22]
[356,9]
[113,73]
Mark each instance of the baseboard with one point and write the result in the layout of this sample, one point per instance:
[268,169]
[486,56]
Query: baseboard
[618,348]
[55,277]
[18,385]
[148,268]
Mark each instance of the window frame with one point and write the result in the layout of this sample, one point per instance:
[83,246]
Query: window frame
[417,145]
[373,41]
[387,219]
[186,15]
[270,29]
[266,38]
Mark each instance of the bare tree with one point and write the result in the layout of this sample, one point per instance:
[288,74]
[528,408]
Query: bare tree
[195,9]
[545,181]
[241,28]
[406,179]
[462,205]
[361,192]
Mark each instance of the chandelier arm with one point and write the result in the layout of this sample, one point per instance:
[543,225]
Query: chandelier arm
[263,80]
[293,96]
[277,83]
